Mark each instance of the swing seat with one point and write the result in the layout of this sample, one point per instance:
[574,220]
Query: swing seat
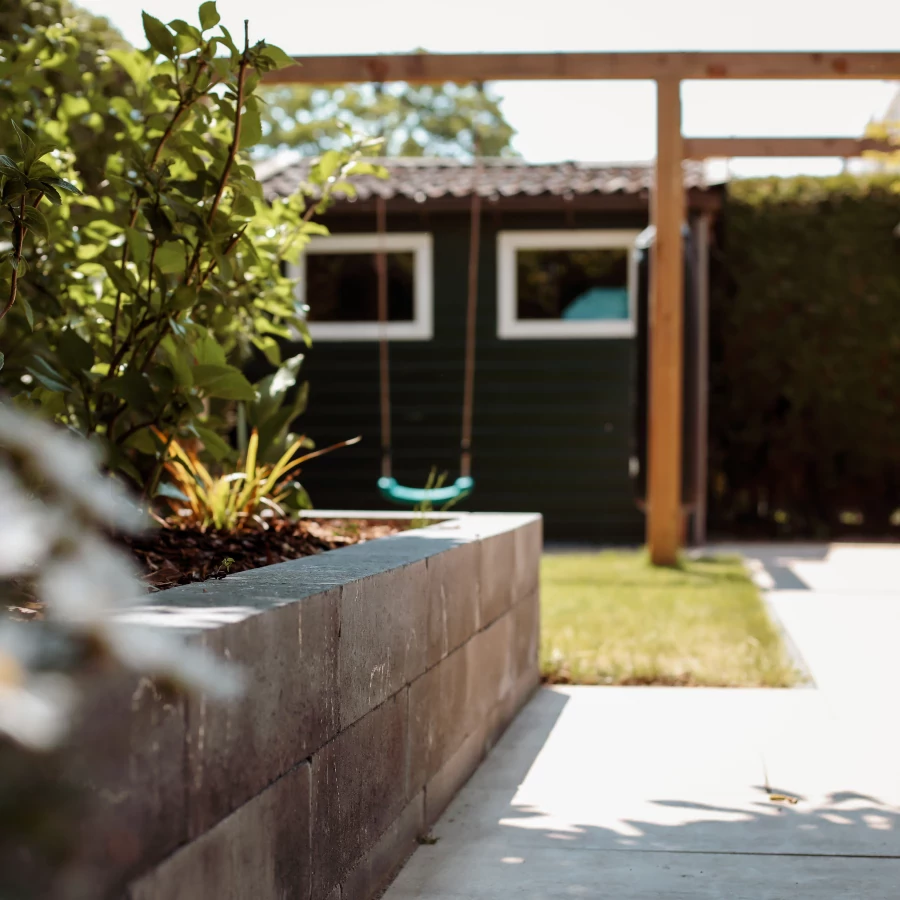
[407,496]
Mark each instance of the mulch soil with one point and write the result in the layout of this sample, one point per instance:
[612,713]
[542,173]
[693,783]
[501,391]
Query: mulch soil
[172,556]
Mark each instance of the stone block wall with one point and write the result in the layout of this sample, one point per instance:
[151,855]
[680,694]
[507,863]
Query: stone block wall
[378,678]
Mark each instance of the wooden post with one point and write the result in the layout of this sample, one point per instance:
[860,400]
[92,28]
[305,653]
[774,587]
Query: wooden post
[664,427]
[702,237]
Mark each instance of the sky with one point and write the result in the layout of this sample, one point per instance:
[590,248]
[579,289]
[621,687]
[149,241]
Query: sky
[596,121]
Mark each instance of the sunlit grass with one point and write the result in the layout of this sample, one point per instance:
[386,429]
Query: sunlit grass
[612,618]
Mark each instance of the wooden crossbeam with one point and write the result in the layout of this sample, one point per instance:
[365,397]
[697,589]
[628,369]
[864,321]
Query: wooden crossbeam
[729,147]
[466,67]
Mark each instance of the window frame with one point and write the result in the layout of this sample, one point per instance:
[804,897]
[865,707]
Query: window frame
[420,244]
[510,327]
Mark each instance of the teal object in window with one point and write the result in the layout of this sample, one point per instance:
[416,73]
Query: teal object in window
[599,303]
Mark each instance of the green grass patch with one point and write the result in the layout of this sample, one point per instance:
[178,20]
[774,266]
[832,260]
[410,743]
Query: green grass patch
[612,618]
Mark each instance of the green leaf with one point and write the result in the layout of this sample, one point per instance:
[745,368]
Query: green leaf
[209,15]
[26,144]
[170,258]
[225,382]
[75,352]
[251,128]
[138,244]
[270,347]
[135,64]
[35,220]
[48,376]
[9,168]
[184,298]
[180,360]
[243,206]
[328,164]
[278,56]
[164,489]
[131,386]
[63,185]
[52,194]
[26,308]
[207,350]
[159,36]
[40,149]
[2,360]
[228,41]
[218,448]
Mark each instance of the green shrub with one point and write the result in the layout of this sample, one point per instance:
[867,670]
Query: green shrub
[152,290]
[805,357]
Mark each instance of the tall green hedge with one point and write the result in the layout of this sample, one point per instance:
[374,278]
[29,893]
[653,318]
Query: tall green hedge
[805,358]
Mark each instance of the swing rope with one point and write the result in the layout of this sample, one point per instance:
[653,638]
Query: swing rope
[384,360]
[463,485]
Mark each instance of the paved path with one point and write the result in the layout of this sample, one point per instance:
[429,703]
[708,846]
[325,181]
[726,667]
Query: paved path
[640,793]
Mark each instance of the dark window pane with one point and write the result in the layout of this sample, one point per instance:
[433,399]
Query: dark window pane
[343,287]
[572,284]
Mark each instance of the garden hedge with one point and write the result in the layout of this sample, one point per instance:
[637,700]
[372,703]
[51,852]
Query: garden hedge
[805,358]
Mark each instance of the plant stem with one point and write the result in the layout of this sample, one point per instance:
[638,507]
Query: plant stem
[232,151]
[183,106]
[20,244]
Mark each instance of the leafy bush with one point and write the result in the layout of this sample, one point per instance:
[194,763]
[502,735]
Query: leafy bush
[805,358]
[155,287]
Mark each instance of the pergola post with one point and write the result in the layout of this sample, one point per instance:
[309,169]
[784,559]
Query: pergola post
[664,425]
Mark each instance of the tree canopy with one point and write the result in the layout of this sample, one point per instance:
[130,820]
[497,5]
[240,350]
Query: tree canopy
[414,120]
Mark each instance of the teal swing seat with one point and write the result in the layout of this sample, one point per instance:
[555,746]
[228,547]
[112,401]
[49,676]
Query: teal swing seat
[396,493]
[390,489]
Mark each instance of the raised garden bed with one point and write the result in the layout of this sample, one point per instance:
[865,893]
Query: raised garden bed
[378,676]
[172,556]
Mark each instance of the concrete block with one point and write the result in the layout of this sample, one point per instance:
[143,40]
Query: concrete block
[289,656]
[455,772]
[529,542]
[489,670]
[359,788]
[381,863]
[497,576]
[438,717]
[261,851]
[384,637]
[453,599]
[126,761]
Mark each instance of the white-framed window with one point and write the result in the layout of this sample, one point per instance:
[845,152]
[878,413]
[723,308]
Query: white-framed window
[566,284]
[338,282]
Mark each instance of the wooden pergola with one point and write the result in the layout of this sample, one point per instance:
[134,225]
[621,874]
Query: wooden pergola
[668,70]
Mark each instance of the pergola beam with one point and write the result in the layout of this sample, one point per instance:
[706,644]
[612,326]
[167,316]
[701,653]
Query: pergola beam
[668,70]
[466,67]
[730,147]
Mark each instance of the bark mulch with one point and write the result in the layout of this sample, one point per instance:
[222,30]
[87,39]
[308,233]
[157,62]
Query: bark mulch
[173,556]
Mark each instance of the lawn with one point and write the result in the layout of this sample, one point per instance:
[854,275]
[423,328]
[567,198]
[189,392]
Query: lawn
[612,618]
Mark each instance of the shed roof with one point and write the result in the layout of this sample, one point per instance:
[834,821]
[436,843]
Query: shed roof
[421,179]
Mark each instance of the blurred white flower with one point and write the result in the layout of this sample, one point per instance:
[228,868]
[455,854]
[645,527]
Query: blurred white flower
[88,583]
[37,713]
[70,465]
[28,529]
[35,709]
[186,666]
[54,508]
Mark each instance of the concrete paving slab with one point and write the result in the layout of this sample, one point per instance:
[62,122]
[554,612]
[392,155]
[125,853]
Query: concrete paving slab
[552,874]
[633,793]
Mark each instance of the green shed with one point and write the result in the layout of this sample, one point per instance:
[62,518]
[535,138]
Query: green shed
[556,333]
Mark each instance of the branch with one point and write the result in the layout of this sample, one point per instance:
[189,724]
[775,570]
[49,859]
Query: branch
[232,150]
[183,106]
[14,281]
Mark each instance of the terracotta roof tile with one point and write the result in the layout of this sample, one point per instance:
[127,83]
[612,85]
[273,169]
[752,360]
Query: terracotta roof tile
[419,179]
